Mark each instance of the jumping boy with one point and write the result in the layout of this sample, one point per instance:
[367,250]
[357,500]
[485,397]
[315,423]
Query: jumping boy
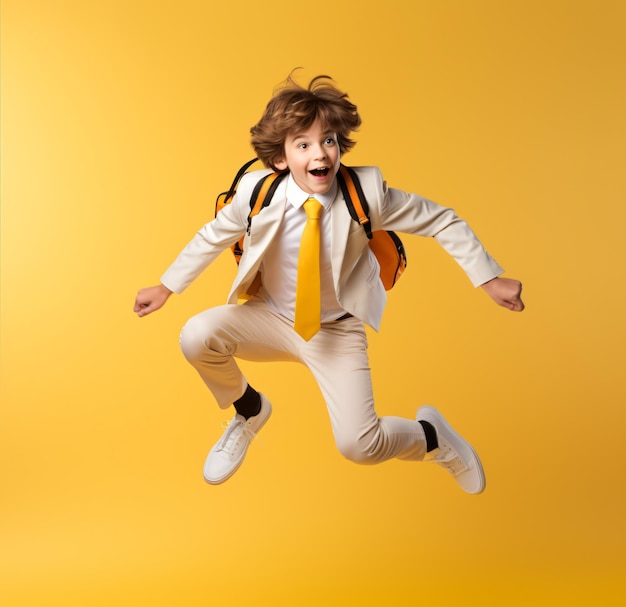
[316,316]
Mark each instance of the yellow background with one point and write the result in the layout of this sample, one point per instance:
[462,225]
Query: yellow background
[121,121]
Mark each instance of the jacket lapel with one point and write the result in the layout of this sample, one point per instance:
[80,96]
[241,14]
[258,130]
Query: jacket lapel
[340,227]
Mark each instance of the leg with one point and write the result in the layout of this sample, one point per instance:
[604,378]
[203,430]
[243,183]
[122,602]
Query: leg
[210,341]
[337,357]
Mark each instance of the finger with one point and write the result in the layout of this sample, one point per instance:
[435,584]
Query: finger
[143,309]
[140,304]
[517,305]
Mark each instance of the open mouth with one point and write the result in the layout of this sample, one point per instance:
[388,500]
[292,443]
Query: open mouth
[322,172]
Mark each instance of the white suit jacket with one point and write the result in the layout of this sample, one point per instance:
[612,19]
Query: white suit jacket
[355,268]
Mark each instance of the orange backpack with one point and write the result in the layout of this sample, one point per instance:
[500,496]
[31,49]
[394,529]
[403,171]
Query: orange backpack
[386,245]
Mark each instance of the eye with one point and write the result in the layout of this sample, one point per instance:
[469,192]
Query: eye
[302,146]
[329,141]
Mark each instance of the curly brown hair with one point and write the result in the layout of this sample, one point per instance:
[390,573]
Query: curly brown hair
[294,108]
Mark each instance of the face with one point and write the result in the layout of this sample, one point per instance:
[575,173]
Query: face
[313,158]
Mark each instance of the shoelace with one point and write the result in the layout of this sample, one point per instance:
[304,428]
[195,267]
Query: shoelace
[447,458]
[236,429]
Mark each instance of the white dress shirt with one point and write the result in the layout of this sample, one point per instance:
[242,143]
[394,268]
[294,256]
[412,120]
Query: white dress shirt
[280,264]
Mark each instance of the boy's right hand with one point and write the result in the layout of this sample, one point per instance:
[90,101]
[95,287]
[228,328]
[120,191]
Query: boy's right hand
[151,299]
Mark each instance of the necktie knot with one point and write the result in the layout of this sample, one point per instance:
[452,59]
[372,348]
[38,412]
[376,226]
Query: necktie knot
[313,209]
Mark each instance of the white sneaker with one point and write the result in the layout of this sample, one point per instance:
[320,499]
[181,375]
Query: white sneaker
[229,452]
[454,453]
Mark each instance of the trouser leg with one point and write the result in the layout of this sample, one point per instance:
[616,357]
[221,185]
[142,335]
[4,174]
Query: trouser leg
[212,339]
[337,357]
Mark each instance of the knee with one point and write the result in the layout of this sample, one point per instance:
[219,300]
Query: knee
[206,335]
[193,339]
[360,450]
[188,342]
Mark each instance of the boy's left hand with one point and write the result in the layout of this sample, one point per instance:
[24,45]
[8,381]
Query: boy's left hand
[505,292]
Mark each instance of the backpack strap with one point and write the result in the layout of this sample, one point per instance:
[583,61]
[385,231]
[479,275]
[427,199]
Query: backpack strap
[263,192]
[225,198]
[386,245]
[265,188]
[240,173]
[355,198]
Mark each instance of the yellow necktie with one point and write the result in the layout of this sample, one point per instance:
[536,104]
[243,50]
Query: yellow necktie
[308,297]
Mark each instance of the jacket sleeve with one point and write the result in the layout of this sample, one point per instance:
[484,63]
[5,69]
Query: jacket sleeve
[392,209]
[226,229]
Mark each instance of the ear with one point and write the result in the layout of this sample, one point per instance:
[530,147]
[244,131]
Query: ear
[281,165]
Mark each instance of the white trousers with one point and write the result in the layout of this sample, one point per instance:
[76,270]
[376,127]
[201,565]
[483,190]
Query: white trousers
[337,357]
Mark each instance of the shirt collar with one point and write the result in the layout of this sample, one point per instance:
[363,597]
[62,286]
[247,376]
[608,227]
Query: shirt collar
[296,197]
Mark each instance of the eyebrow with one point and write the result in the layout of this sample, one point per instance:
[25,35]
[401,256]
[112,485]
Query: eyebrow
[304,136]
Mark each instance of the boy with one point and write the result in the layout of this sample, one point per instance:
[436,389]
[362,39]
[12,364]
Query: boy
[305,132]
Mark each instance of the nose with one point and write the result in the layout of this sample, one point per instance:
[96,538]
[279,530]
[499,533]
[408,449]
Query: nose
[320,152]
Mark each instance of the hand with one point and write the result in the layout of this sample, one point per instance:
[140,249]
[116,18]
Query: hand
[151,299]
[505,292]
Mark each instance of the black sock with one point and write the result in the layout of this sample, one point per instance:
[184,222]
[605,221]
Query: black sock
[249,404]
[431,435]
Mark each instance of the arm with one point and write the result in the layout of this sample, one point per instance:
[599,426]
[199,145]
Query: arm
[151,299]
[217,235]
[416,215]
[505,292]
[392,209]
[226,229]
